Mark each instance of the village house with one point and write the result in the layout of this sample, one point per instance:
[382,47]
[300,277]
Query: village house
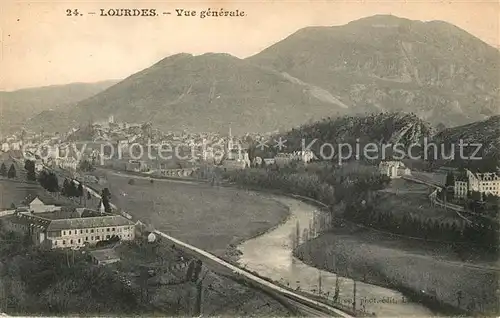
[68,163]
[39,165]
[5,147]
[283,159]
[137,165]
[38,206]
[104,256]
[269,161]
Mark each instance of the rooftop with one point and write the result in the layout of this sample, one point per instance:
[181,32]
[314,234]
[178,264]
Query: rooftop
[89,222]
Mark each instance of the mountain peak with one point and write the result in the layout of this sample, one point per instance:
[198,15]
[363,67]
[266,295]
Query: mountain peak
[380,19]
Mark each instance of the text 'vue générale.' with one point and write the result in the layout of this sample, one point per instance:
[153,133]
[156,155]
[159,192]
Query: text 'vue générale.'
[209,13]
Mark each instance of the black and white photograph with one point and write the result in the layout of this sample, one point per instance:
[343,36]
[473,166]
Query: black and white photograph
[250,158]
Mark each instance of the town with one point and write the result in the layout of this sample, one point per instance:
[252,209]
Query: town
[337,165]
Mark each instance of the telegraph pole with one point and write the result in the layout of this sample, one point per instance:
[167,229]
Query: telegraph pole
[319,282]
[199,296]
[354,296]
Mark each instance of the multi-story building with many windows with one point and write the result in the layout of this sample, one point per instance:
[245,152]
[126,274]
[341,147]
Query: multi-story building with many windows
[485,183]
[75,230]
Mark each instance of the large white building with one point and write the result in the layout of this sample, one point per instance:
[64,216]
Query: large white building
[393,169]
[76,229]
[485,183]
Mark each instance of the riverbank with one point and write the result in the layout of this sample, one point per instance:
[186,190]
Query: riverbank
[449,287]
[271,255]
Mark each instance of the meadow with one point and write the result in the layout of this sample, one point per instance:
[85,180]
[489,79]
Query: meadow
[212,218]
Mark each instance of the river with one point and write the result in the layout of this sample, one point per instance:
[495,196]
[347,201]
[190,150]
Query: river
[270,255]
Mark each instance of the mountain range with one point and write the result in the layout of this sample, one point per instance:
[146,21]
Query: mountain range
[381,63]
[385,63]
[209,92]
[20,106]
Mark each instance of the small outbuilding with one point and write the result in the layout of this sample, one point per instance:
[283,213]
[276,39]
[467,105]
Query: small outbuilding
[104,256]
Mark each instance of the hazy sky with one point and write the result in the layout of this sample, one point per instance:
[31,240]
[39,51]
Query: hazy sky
[42,46]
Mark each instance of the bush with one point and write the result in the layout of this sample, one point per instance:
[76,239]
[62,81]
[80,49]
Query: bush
[131,181]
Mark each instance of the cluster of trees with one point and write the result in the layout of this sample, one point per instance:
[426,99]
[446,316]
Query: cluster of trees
[11,173]
[70,189]
[323,182]
[425,228]
[301,183]
[49,181]
[487,204]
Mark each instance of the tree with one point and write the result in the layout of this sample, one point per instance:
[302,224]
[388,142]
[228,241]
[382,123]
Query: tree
[80,190]
[86,165]
[440,127]
[31,176]
[65,188]
[3,170]
[73,190]
[450,179]
[12,172]
[52,182]
[106,196]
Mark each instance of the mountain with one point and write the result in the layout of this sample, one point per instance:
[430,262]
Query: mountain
[207,93]
[485,133]
[385,63]
[19,106]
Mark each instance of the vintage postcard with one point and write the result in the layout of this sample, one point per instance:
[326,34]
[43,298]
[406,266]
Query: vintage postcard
[250,158]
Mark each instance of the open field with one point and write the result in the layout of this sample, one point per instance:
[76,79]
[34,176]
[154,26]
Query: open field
[210,218]
[15,191]
[433,177]
[404,265]
[404,186]
[414,203]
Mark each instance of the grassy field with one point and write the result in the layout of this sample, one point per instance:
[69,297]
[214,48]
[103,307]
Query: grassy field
[417,205]
[16,191]
[403,197]
[208,217]
[406,265]
[401,185]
